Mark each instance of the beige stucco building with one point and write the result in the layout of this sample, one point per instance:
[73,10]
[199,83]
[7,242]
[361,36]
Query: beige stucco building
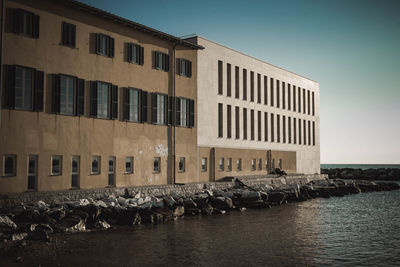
[90,100]
[253,114]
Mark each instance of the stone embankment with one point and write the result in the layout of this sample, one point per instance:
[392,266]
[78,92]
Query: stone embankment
[40,220]
[389,174]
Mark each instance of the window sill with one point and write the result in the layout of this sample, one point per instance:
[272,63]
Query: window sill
[96,173]
[69,46]
[156,172]
[203,171]
[127,173]
[9,175]
[56,174]
[181,171]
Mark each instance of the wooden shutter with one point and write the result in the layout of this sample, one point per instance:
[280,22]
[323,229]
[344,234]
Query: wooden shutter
[130,46]
[97,43]
[189,68]
[125,115]
[178,66]
[111,46]
[141,55]
[114,102]
[56,93]
[35,26]
[10,86]
[170,109]
[165,109]
[177,111]
[153,108]
[93,99]
[73,35]
[38,91]
[191,115]
[17,21]
[144,106]
[187,112]
[166,62]
[80,97]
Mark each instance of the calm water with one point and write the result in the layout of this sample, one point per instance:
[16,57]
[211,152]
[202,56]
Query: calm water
[360,166]
[357,230]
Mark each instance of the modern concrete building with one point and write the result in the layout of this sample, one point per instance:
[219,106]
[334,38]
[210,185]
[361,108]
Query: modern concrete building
[90,100]
[252,116]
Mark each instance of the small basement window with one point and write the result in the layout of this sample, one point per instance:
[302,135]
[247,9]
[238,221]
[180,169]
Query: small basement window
[203,164]
[129,165]
[157,165]
[229,167]
[253,164]
[239,164]
[260,164]
[96,164]
[10,165]
[56,165]
[221,164]
[181,164]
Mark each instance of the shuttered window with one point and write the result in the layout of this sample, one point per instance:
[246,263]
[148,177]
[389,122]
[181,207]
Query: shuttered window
[294,98]
[68,95]
[104,45]
[159,108]
[229,121]
[135,54]
[289,130]
[132,104]
[294,131]
[68,34]
[26,23]
[220,120]
[184,114]
[103,100]
[24,88]
[184,67]
[161,61]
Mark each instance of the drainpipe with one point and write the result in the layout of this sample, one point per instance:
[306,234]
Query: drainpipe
[1,55]
[174,113]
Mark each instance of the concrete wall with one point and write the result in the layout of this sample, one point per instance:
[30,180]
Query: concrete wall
[307,156]
[45,134]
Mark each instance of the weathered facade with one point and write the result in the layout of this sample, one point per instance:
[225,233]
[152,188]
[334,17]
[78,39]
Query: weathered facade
[253,114]
[68,119]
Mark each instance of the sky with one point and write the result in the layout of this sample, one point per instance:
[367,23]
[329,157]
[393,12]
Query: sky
[350,47]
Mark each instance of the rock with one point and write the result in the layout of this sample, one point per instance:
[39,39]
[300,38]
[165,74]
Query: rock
[6,223]
[123,202]
[57,214]
[242,209]
[18,236]
[41,205]
[276,198]
[84,202]
[221,203]
[169,202]
[101,204]
[71,224]
[179,211]
[158,203]
[218,211]
[207,210]
[102,224]
[40,232]
[189,203]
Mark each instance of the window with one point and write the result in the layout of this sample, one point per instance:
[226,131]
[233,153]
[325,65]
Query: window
[299,96]
[313,135]
[181,165]
[68,34]
[272,128]
[252,124]
[237,122]
[288,97]
[251,86]
[237,82]
[309,133]
[284,128]
[294,131]
[229,166]
[304,101]
[271,85]
[56,165]
[283,95]
[239,164]
[10,165]
[159,108]
[24,88]
[184,111]
[290,130]
[265,90]
[104,45]
[260,164]
[111,171]
[258,88]
[135,53]
[278,100]
[266,126]
[299,131]
[308,102]
[273,164]
[221,164]
[184,67]
[32,172]
[129,165]
[157,165]
[203,164]
[75,164]
[294,98]
[96,164]
[305,132]
[313,104]
[244,123]
[244,84]
[220,76]
[253,164]
[259,125]
[26,23]
[229,121]
[220,120]
[104,100]
[132,104]
[228,80]
[68,95]
[161,61]
[278,128]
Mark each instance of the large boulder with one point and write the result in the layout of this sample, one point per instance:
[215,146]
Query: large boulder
[7,225]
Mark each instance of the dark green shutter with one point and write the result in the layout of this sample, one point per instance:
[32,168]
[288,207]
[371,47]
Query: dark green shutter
[10,86]
[189,68]
[17,21]
[38,91]
[93,99]
[35,26]
[141,57]
[144,106]
[97,43]
[129,45]
[80,97]
[170,109]
[56,93]
[125,115]
[166,62]
[177,111]
[178,66]
[153,108]
[114,102]
[73,35]
[111,46]
[191,113]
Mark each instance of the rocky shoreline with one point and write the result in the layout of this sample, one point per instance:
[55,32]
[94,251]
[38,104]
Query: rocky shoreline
[388,174]
[41,220]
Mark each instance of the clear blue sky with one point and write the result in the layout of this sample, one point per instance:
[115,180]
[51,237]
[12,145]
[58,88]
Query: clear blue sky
[351,47]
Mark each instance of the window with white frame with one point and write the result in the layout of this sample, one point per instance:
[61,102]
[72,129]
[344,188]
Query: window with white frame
[221,164]
[181,164]
[229,166]
[129,165]
[96,164]
[10,165]
[56,165]
[203,164]
[157,165]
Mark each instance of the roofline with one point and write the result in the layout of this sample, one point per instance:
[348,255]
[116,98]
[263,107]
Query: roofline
[227,47]
[129,23]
